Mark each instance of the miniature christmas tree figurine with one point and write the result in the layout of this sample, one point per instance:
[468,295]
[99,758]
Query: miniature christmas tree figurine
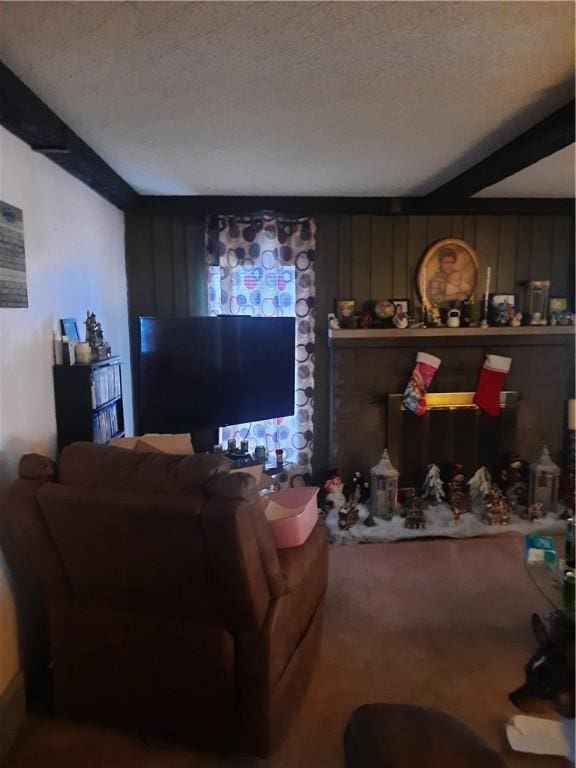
[479,485]
[433,488]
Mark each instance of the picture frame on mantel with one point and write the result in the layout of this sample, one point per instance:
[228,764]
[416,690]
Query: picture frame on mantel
[537,298]
[447,272]
[404,304]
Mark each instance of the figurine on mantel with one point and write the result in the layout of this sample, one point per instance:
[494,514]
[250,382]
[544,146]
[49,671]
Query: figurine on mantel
[333,322]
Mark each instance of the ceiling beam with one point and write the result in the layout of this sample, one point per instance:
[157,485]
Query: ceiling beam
[201,205]
[546,137]
[26,116]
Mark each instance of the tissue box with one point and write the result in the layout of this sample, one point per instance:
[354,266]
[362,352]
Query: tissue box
[540,549]
[292,514]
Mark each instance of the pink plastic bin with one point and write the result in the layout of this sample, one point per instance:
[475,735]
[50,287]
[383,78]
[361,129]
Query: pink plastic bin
[291,525]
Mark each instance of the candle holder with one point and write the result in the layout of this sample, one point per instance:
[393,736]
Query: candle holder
[484,323]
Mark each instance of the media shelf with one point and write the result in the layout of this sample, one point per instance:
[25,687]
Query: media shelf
[89,402]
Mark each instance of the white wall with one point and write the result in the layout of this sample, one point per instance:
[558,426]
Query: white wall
[74,242]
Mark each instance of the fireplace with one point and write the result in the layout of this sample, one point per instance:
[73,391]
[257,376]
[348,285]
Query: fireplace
[369,371]
[452,429]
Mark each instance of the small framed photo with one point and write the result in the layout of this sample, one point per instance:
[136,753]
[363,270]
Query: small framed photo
[68,327]
[501,308]
[345,309]
[401,305]
[557,305]
[537,299]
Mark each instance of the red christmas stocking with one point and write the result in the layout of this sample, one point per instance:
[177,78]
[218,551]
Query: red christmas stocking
[414,397]
[490,383]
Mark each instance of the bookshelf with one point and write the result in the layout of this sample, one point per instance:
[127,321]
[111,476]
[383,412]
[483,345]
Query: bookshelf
[88,402]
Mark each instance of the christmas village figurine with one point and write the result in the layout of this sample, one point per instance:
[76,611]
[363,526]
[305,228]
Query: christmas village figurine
[384,488]
[412,510]
[334,488]
[95,337]
[458,497]
[360,494]
[544,477]
[347,516]
[535,511]
[497,507]
[479,485]
[513,481]
[433,487]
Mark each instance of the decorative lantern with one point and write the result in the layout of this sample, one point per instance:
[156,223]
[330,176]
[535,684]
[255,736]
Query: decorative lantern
[544,479]
[384,487]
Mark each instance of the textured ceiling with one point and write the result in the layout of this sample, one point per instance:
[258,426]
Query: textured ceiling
[294,98]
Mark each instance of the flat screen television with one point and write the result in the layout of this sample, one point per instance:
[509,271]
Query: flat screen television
[200,372]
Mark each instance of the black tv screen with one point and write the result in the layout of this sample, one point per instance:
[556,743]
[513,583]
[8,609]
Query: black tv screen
[202,372]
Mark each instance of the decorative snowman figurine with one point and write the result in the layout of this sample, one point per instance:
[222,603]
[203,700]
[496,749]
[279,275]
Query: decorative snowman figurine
[335,498]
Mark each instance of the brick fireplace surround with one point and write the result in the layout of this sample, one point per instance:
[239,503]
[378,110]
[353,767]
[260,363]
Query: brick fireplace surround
[367,366]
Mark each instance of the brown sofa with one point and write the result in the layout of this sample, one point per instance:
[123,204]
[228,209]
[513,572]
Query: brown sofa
[168,606]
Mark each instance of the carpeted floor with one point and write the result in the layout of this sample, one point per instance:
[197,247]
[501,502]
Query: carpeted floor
[438,623]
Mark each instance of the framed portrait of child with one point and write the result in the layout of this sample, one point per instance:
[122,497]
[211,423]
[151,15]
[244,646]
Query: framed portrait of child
[447,272]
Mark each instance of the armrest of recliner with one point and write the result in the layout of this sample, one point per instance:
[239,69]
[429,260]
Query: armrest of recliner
[241,487]
[298,563]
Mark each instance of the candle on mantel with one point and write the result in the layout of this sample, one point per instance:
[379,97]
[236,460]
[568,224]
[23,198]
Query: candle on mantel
[484,323]
[572,415]
[488,276]
[423,287]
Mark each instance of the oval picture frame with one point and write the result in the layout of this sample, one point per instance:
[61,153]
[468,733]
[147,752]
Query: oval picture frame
[447,272]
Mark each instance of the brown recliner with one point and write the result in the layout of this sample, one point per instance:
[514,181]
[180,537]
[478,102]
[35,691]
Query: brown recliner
[168,605]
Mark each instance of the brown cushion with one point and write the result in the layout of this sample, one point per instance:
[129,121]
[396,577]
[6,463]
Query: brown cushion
[33,466]
[404,736]
[242,487]
[93,531]
[152,443]
[177,444]
[103,466]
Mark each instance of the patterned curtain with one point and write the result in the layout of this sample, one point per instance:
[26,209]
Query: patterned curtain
[264,267]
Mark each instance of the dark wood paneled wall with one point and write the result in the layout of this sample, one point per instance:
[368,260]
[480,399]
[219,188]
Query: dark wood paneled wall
[377,256]
[363,257]
[165,268]
[358,256]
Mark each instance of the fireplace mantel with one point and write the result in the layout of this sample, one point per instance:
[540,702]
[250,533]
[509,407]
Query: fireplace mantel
[366,366]
[543,334]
